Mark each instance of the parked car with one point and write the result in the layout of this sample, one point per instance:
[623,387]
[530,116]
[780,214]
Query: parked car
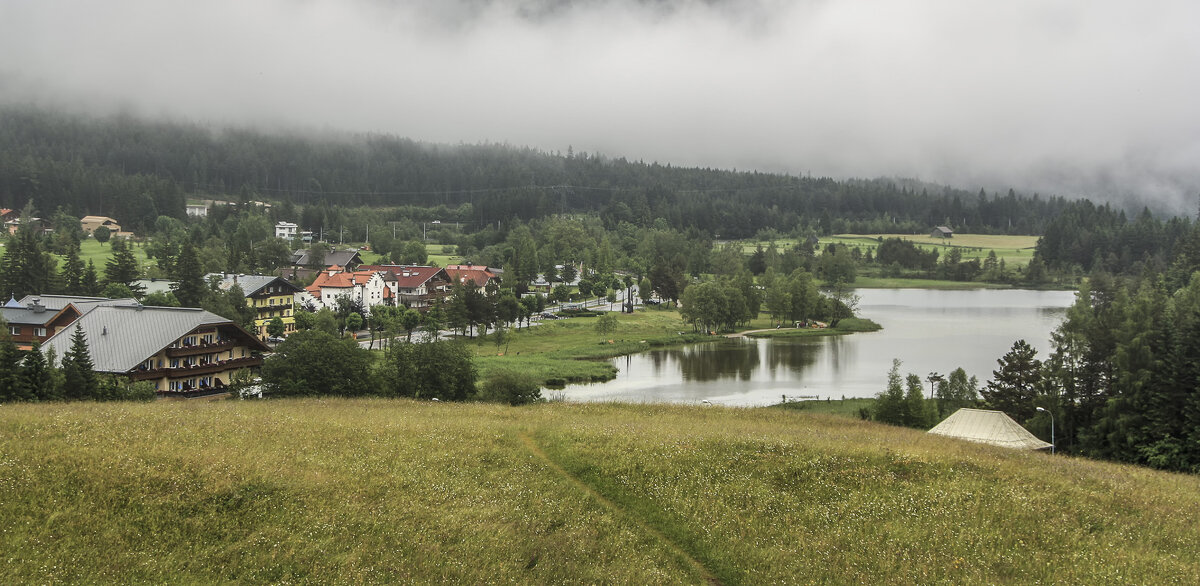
[274,339]
[548,315]
[653,302]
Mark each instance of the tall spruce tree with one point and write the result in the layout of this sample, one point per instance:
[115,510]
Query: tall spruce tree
[79,375]
[36,377]
[11,389]
[189,286]
[1014,386]
[72,273]
[122,267]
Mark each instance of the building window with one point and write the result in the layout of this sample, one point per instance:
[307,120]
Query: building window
[14,330]
[41,332]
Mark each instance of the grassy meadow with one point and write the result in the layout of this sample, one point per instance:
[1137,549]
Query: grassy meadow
[378,491]
[570,350]
[1014,250]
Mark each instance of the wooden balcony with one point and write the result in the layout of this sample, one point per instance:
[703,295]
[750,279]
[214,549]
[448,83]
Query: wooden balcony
[197,370]
[200,348]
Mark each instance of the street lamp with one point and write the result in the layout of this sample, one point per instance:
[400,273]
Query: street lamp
[1043,410]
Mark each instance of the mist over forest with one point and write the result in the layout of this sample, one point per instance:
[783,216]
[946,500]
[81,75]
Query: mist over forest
[1063,99]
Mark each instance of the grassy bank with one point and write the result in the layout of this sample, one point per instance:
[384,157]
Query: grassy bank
[570,350]
[373,491]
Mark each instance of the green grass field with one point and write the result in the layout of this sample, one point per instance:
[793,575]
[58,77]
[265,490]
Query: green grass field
[378,491]
[1015,250]
[570,350]
[90,249]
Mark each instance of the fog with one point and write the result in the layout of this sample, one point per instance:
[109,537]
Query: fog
[1072,98]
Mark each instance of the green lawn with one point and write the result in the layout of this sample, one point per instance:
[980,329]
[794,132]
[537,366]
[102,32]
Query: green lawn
[1015,250]
[395,491]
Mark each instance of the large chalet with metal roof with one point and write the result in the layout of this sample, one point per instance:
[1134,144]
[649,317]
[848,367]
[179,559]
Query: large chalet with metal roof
[184,352]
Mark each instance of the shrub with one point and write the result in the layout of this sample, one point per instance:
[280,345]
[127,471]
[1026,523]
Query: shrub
[514,388]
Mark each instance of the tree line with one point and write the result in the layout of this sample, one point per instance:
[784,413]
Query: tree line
[138,170]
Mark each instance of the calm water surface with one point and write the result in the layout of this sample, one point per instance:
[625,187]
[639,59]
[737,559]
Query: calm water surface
[929,331]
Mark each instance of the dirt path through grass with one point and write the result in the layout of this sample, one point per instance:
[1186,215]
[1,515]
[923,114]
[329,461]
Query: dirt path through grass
[696,565]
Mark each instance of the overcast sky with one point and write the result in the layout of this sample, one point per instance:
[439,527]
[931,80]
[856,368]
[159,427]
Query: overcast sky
[1088,98]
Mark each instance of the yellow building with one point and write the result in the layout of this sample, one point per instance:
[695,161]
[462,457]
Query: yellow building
[270,297]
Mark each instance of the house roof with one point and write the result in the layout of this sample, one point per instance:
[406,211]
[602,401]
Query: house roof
[477,274]
[251,284]
[333,257]
[988,427]
[407,276]
[944,230]
[57,302]
[101,219]
[120,337]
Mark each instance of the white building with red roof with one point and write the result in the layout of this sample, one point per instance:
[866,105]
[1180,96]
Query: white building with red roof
[413,286]
[368,288]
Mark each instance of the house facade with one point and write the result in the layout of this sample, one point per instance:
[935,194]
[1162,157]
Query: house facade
[366,288]
[90,223]
[29,320]
[270,297]
[415,287]
[286,230]
[942,232]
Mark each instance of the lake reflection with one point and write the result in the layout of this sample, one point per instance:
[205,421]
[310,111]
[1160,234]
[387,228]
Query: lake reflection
[927,330]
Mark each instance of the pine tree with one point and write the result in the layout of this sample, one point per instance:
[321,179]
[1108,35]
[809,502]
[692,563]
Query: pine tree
[36,376]
[11,389]
[1014,385]
[73,273]
[89,283]
[189,287]
[122,267]
[79,377]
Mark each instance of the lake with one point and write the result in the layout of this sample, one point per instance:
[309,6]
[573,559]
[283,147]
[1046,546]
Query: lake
[928,330]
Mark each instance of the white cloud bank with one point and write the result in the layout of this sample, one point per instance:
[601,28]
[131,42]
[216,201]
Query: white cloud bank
[1075,98]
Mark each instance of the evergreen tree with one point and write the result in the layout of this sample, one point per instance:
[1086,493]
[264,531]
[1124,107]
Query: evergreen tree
[36,376]
[122,267]
[79,377]
[12,388]
[72,273]
[918,412]
[89,283]
[889,403]
[1014,386]
[189,286]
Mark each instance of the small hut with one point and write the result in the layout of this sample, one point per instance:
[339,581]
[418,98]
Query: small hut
[942,232]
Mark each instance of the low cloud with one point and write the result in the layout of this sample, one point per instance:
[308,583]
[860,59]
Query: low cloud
[1072,98]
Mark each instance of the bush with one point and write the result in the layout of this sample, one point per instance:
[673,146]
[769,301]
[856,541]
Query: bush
[514,388]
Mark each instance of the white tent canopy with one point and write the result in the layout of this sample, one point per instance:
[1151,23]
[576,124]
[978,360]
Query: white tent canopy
[988,427]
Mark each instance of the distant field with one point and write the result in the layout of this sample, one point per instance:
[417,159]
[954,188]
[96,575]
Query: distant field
[1015,250]
[395,491]
[90,249]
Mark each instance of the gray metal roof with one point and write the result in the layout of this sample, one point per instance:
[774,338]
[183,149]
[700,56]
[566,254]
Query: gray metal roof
[57,302]
[250,284]
[333,257]
[26,316]
[121,337]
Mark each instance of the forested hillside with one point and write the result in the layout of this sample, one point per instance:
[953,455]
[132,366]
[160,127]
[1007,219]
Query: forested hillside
[137,170]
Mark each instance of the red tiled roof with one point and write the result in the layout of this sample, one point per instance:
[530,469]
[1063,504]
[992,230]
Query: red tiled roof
[479,275]
[417,275]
